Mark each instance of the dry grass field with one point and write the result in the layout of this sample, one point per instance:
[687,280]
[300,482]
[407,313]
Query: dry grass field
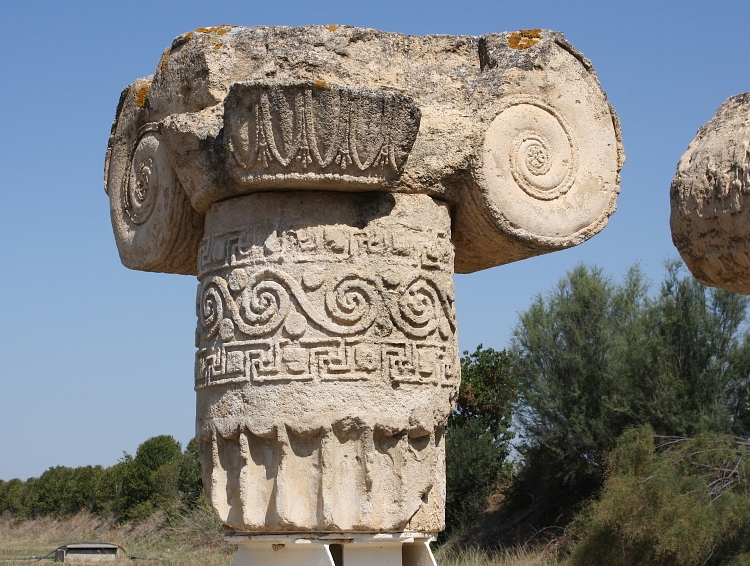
[511,557]
[196,541]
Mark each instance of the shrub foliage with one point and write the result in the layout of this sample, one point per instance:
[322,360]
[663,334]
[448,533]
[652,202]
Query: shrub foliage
[478,435]
[594,357]
[670,501]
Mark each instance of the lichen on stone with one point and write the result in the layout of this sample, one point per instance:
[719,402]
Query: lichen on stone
[140,96]
[218,30]
[525,38]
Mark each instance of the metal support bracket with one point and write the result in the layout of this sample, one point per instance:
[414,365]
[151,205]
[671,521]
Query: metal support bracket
[349,549]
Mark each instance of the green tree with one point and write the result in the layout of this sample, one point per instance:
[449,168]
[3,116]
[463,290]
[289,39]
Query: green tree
[150,479]
[190,481]
[160,475]
[487,392]
[594,357]
[478,435]
[12,498]
[63,491]
[699,359]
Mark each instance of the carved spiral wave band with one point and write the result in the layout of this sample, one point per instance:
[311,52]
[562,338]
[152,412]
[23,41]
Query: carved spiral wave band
[265,303]
[352,303]
[419,303]
[211,309]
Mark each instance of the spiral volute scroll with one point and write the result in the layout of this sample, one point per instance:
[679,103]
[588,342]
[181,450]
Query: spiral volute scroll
[531,149]
[211,309]
[155,226]
[546,178]
[266,304]
[542,156]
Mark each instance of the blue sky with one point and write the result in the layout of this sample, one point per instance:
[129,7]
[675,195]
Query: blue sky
[97,358]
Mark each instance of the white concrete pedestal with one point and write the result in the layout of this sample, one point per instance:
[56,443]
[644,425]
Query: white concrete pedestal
[382,549]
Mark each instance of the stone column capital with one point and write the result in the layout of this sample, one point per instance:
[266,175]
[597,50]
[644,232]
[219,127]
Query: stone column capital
[710,198]
[511,130]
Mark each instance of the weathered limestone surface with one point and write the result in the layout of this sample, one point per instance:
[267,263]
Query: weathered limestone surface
[515,133]
[710,198]
[324,183]
[327,360]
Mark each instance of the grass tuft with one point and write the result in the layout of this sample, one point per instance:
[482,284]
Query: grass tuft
[451,556]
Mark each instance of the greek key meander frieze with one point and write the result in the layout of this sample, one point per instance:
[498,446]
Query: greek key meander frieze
[266,325]
[428,249]
[327,360]
[310,128]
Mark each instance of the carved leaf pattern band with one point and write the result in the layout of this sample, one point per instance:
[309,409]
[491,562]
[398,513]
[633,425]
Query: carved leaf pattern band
[332,127]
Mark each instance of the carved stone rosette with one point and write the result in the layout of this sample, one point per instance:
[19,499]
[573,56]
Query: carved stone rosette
[324,183]
[327,361]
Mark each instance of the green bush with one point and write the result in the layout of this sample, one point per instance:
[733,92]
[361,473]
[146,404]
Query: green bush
[190,481]
[478,436]
[594,357]
[63,491]
[487,393]
[474,463]
[684,502]
[12,498]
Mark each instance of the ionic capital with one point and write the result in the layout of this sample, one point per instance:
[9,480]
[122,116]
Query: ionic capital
[511,130]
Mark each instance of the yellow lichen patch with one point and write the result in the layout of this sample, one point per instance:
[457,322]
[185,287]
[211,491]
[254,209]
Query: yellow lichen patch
[525,38]
[319,83]
[163,65]
[332,27]
[218,30]
[140,96]
[218,45]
